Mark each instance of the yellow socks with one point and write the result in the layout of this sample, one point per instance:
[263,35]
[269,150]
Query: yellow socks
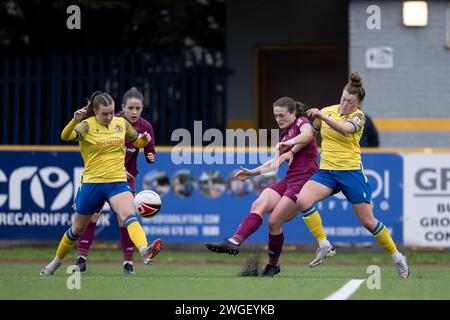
[384,238]
[136,232]
[314,223]
[66,243]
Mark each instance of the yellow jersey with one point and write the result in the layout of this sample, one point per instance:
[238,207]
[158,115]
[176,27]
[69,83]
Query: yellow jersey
[102,148]
[339,151]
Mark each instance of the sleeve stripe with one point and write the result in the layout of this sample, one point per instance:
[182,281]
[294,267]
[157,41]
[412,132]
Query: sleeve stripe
[134,139]
[354,125]
[314,127]
[77,134]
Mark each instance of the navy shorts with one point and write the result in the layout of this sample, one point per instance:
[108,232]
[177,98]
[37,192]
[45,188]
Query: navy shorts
[353,184]
[92,196]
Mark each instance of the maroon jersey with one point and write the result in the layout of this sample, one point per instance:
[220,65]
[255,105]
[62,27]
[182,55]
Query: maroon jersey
[141,125]
[305,162]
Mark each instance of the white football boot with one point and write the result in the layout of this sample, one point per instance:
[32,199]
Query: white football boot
[321,254]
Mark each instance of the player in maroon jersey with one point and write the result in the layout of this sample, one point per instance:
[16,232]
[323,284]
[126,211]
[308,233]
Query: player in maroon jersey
[279,198]
[131,109]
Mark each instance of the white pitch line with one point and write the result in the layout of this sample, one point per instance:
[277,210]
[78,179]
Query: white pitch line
[346,291]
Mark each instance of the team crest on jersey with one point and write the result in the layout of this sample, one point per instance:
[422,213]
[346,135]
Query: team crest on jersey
[299,121]
[118,128]
[290,132]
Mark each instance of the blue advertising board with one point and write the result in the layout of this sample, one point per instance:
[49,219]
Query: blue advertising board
[200,201]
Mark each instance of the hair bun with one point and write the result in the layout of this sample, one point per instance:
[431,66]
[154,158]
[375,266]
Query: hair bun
[356,79]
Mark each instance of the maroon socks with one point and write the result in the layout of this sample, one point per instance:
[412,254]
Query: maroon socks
[86,239]
[275,248]
[249,225]
[126,245]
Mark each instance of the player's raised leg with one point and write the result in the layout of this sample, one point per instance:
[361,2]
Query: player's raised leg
[122,204]
[265,203]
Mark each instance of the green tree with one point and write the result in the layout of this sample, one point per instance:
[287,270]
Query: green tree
[159,25]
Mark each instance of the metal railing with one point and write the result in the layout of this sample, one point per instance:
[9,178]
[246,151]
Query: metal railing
[38,94]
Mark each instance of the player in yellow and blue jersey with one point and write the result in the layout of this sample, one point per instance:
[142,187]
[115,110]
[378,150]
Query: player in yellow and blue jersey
[102,138]
[341,127]
[133,103]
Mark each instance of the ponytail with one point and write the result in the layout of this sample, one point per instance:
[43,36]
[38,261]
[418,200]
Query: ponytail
[300,109]
[97,98]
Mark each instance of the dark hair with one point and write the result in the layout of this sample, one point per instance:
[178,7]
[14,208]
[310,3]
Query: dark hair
[132,93]
[292,106]
[354,86]
[97,98]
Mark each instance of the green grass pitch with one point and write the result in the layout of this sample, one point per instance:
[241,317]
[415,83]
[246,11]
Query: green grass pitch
[207,276]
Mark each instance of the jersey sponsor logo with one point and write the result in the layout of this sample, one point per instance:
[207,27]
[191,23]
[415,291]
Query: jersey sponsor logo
[111,142]
[299,122]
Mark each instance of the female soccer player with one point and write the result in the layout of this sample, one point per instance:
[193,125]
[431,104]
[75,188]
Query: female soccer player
[131,110]
[102,139]
[279,198]
[341,127]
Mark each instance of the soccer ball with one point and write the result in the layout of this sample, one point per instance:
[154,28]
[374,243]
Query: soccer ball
[147,203]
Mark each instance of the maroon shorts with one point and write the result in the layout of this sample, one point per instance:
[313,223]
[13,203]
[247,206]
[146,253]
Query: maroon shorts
[288,189]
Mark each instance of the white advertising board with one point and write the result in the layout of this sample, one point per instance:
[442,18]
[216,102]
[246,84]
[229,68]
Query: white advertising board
[426,220]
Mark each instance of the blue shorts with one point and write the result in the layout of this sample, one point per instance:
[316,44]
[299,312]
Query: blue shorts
[92,196]
[353,184]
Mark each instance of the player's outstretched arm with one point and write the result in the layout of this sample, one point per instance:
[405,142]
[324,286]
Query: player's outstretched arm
[132,136]
[142,140]
[244,173]
[73,130]
[343,128]
[272,164]
[300,141]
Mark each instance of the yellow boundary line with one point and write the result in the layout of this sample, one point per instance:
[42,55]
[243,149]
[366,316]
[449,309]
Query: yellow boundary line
[218,149]
[412,124]
[382,124]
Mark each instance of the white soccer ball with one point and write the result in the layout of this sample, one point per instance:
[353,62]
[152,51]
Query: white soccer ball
[147,203]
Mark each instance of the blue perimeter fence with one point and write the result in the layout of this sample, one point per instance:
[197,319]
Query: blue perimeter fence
[40,93]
